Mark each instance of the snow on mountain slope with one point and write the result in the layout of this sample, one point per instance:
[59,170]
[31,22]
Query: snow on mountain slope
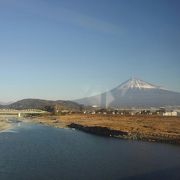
[136,83]
[134,93]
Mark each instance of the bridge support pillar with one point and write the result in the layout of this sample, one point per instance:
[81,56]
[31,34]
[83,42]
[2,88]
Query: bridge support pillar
[19,114]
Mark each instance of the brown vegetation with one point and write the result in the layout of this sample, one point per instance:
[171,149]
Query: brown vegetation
[152,128]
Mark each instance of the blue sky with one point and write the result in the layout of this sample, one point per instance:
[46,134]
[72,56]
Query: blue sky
[59,49]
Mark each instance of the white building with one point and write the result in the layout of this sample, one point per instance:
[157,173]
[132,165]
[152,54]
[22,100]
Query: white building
[173,113]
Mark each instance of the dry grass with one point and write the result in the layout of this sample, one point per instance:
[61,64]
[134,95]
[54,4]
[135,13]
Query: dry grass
[142,125]
[149,128]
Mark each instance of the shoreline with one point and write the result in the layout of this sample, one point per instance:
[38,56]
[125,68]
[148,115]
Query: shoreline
[144,128]
[4,125]
[104,131]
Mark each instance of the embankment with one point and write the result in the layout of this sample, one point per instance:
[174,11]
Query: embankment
[146,128]
[104,131]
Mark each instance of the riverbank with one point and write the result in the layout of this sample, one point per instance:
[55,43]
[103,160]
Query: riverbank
[4,124]
[147,128]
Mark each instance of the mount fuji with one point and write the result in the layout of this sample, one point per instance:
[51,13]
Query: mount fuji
[134,93]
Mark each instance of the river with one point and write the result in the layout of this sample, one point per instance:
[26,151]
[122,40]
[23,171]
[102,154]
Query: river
[36,152]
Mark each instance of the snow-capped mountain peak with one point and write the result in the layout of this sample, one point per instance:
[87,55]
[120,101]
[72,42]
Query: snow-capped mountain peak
[134,83]
[134,93]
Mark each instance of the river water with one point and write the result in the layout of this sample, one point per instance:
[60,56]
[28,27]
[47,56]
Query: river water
[37,152]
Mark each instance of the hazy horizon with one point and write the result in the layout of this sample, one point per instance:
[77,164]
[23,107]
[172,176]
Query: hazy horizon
[65,50]
[107,90]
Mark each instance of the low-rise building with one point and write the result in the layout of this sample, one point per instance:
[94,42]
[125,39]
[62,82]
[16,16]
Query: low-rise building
[172,113]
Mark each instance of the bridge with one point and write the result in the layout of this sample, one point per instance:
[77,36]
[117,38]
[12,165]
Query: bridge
[20,113]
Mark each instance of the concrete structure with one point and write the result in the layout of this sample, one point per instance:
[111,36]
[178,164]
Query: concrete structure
[20,113]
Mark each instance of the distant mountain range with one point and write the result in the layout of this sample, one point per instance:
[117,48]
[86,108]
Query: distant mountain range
[134,93]
[42,104]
